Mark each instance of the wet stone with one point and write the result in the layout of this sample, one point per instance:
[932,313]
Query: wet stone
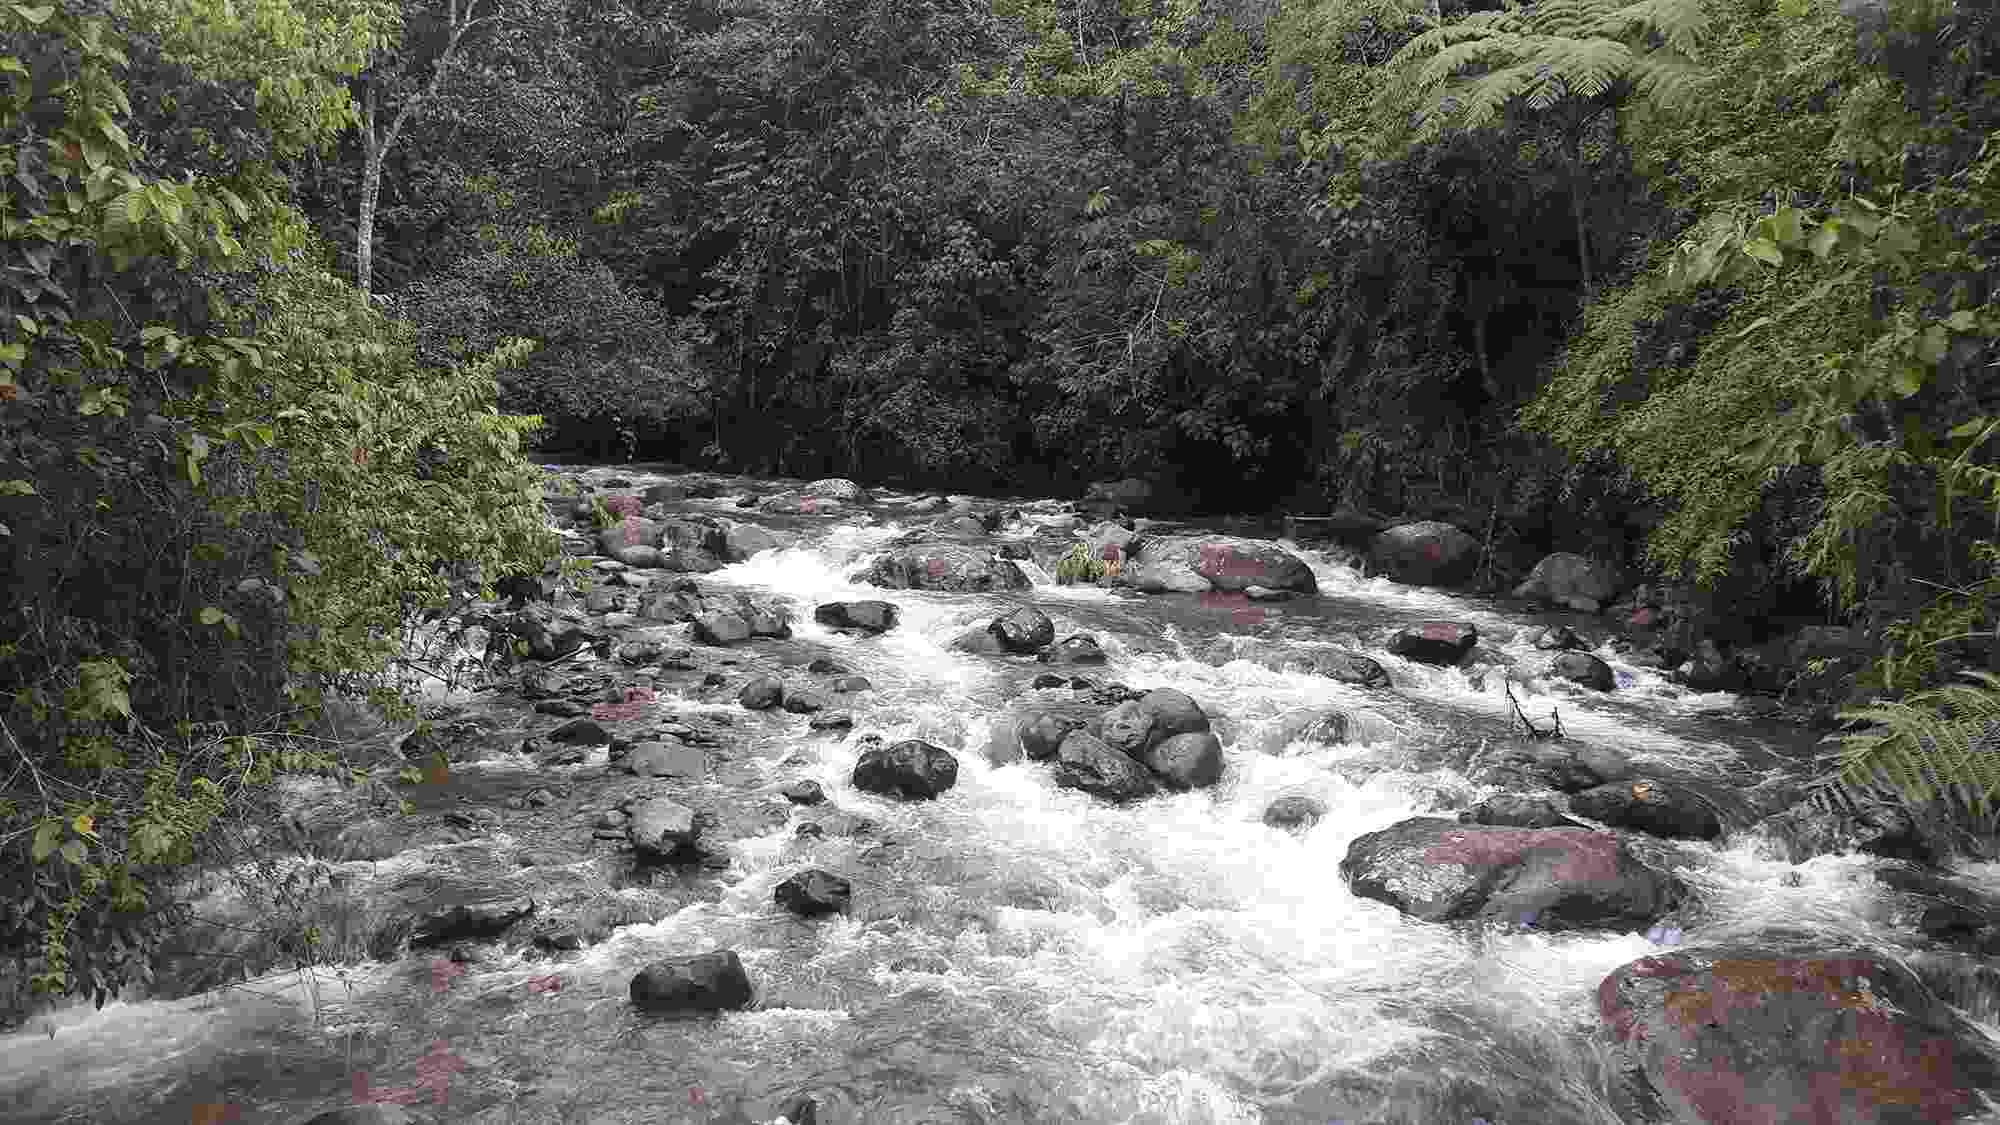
[813,892]
[708,982]
[831,720]
[1294,813]
[804,792]
[665,759]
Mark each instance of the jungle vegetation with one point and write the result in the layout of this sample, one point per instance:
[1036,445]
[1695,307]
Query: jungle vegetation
[292,288]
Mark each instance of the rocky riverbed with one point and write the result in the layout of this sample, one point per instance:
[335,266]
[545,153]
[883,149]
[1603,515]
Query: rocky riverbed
[819,805]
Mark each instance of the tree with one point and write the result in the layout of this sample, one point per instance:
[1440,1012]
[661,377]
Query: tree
[412,65]
[1566,61]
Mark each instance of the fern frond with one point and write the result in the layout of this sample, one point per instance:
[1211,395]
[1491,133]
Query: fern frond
[1681,23]
[1481,99]
[1587,66]
[1942,740]
[1665,81]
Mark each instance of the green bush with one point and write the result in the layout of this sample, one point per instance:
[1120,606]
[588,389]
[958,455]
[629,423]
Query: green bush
[212,499]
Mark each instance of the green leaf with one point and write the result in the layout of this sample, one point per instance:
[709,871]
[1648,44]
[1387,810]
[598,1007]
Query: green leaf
[208,615]
[1906,379]
[74,852]
[1765,251]
[1969,427]
[17,488]
[1823,240]
[1933,345]
[1760,322]
[36,16]
[1785,226]
[45,840]
[1964,320]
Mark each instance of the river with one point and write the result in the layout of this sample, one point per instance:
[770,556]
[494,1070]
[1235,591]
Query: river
[1017,952]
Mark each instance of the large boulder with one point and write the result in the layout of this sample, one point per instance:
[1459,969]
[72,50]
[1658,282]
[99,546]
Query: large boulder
[1556,878]
[1332,663]
[1167,731]
[1040,736]
[1084,762]
[1186,761]
[911,769]
[835,488]
[1573,581]
[706,982]
[661,828]
[813,892]
[1443,643]
[1426,553]
[1654,807]
[1025,630]
[1200,564]
[861,617]
[953,567]
[1078,648]
[1779,1031]
[1584,669]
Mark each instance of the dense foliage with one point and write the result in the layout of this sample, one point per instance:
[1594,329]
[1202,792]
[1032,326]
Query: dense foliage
[1695,285]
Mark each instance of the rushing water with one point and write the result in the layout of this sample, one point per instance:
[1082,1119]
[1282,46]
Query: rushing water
[1022,953]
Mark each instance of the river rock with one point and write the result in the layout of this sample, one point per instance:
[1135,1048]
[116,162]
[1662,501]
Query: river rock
[580,732]
[1516,810]
[1327,726]
[1443,643]
[1200,564]
[1426,553]
[911,769]
[804,701]
[1567,579]
[1558,638]
[661,828]
[371,1113]
[1584,669]
[1654,807]
[1294,813]
[474,916]
[741,540]
[762,693]
[953,567]
[979,640]
[1040,736]
[1024,630]
[665,759]
[1564,878]
[1186,761]
[1727,1033]
[864,617]
[1078,648]
[706,982]
[1084,762]
[804,792]
[721,628]
[1566,769]
[813,892]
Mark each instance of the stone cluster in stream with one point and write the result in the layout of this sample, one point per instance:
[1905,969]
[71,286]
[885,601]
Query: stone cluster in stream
[1575,838]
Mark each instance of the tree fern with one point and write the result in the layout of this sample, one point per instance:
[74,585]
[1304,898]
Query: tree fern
[1557,56]
[1945,741]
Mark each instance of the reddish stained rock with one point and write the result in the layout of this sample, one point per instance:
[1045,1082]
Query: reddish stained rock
[1742,1037]
[1566,878]
[1587,855]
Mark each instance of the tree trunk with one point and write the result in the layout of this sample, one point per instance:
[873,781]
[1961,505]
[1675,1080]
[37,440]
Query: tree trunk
[371,187]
